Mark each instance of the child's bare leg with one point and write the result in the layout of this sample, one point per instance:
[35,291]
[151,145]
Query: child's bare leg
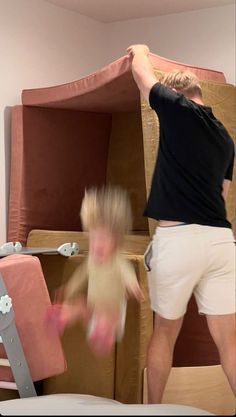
[102,332]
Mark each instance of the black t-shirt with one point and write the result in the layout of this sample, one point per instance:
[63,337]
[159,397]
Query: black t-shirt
[195,155]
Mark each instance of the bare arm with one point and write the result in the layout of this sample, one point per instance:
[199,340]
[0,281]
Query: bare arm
[142,69]
[225,188]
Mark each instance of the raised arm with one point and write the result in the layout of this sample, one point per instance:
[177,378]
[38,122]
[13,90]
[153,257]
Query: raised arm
[142,69]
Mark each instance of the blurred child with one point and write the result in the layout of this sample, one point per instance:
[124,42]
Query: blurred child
[106,275]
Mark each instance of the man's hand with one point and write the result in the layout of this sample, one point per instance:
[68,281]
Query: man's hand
[142,69]
[134,290]
[138,49]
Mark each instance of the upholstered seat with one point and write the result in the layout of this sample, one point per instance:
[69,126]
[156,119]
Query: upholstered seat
[25,285]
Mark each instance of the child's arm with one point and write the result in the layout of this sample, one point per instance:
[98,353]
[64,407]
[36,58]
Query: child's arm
[68,306]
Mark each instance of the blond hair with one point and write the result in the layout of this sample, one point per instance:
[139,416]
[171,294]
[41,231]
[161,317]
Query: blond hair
[107,207]
[184,81]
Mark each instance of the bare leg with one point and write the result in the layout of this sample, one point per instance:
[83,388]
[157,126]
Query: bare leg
[160,354]
[222,329]
[102,332]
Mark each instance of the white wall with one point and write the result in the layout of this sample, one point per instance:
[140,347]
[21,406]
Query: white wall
[43,45]
[204,38]
[40,45]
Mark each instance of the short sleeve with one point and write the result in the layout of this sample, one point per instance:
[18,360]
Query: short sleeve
[163,99]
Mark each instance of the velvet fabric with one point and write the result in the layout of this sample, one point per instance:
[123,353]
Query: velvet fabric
[25,284]
[68,137]
[109,89]
[90,132]
[55,155]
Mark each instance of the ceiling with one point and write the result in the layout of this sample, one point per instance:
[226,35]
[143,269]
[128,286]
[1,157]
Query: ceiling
[116,10]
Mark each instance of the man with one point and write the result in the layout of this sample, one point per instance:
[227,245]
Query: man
[193,249]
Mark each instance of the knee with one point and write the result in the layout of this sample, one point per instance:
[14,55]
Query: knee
[167,329]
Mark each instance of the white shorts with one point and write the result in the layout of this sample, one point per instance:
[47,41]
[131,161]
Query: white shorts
[187,259]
